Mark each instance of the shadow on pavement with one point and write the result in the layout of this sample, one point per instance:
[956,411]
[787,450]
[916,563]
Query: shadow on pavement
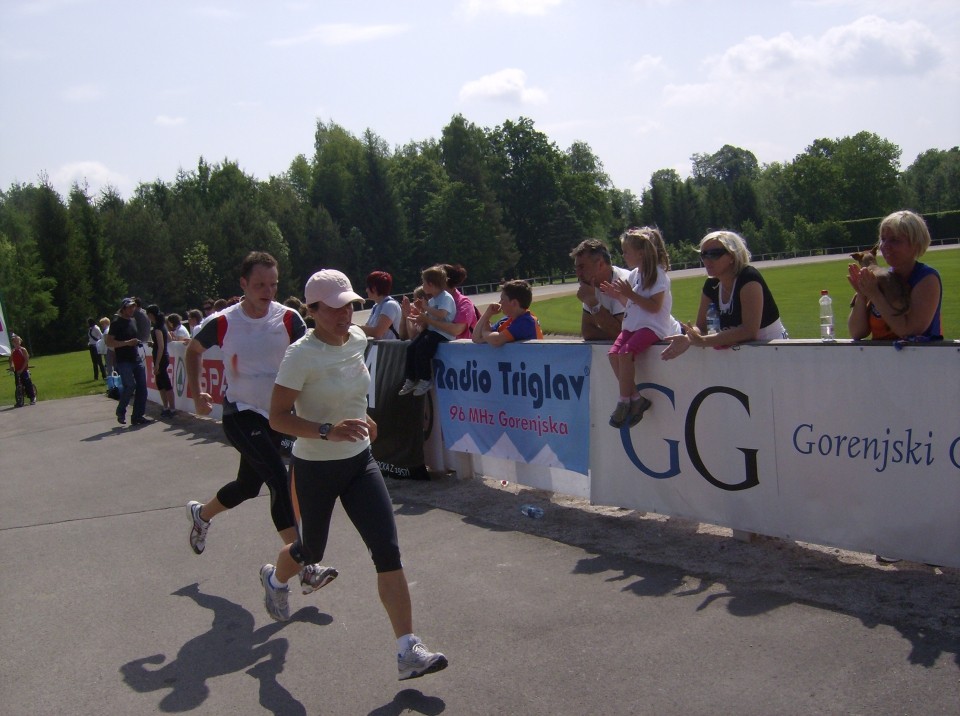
[231,645]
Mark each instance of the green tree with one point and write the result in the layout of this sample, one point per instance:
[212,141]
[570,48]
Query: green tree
[27,293]
[528,167]
[932,183]
[869,168]
[376,210]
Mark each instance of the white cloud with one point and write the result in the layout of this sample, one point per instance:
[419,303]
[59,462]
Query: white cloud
[509,85]
[840,60]
[341,34]
[868,46]
[509,7]
[647,64]
[82,93]
[94,175]
[163,120]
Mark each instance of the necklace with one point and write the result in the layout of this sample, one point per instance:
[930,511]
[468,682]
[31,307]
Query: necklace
[725,306]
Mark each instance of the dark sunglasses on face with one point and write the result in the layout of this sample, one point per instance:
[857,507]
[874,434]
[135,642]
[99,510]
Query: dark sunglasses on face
[712,253]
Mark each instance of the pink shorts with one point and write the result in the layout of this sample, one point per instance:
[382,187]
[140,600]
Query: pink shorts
[633,342]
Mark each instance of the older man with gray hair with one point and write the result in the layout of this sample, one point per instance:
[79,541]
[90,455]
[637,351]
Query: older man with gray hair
[602,315]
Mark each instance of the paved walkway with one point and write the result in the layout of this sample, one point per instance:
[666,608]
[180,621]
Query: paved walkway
[106,610]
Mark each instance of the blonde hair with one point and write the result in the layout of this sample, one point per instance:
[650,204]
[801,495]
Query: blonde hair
[910,226]
[645,241]
[735,246]
[436,276]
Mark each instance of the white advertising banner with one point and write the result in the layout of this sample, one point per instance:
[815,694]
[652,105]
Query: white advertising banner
[850,445]
[212,379]
[853,445]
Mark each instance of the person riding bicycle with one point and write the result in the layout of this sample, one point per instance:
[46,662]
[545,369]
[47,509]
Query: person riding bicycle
[20,365]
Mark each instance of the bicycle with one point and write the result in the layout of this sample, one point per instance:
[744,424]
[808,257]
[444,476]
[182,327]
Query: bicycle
[20,388]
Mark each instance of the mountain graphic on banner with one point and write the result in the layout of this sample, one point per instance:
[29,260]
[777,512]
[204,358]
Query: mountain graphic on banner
[505,449]
[466,444]
[548,458]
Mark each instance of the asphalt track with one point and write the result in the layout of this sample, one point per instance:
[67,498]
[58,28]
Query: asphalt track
[106,610]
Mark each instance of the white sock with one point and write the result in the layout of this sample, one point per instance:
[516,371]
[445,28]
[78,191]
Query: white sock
[403,643]
[274,582]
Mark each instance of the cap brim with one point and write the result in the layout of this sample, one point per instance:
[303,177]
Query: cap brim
[343,299]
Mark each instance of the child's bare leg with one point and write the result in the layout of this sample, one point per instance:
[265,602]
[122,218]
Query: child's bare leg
[626,376]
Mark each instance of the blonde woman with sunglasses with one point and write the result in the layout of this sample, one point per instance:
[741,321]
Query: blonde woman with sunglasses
[745,305]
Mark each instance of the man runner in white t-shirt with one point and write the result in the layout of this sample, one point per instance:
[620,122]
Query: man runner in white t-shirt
[253,336]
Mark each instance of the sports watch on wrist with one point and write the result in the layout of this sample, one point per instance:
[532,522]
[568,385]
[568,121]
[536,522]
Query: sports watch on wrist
[324,430]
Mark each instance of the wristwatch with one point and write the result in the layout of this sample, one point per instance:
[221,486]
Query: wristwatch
[594,309]
[324,430]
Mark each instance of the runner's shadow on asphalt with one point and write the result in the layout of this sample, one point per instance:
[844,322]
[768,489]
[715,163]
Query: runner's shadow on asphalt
[411,701]
[232,644]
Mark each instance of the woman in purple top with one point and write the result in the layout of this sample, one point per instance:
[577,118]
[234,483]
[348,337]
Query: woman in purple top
[904,238]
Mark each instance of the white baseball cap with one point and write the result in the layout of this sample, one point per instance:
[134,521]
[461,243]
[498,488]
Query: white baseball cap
[331,288]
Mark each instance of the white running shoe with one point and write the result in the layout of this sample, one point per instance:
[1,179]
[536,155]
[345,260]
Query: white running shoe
[316,576]
[198,528]
[275,600]
[407,387]
[417,661]
[422,387]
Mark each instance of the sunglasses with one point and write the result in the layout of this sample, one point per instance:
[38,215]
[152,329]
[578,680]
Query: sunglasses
[712,253]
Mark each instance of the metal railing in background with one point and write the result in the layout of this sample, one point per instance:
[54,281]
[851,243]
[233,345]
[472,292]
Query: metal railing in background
[549,280]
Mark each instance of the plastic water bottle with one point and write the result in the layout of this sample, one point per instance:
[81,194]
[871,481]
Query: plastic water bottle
[713,319]
[532,511]
[826,316]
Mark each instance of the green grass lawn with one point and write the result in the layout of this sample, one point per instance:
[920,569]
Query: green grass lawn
[61,376]
[796,290]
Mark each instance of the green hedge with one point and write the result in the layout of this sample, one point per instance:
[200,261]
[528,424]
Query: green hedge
[943,225]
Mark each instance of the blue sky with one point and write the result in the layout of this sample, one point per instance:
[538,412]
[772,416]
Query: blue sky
[118,92]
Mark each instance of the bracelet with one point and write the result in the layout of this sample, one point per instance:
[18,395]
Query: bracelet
[594,309]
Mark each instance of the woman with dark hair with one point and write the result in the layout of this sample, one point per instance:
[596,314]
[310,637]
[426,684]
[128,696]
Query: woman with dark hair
[385,318]
[161,359]
[320,397]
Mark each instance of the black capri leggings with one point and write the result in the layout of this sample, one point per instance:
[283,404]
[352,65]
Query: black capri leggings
[358,483]
[260,462]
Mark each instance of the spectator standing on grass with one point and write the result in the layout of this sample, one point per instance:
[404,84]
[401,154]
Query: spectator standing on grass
[745,305]
[105,351]
[94,334]
[252,336]
[904,238]
[20,365]
[602,316]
